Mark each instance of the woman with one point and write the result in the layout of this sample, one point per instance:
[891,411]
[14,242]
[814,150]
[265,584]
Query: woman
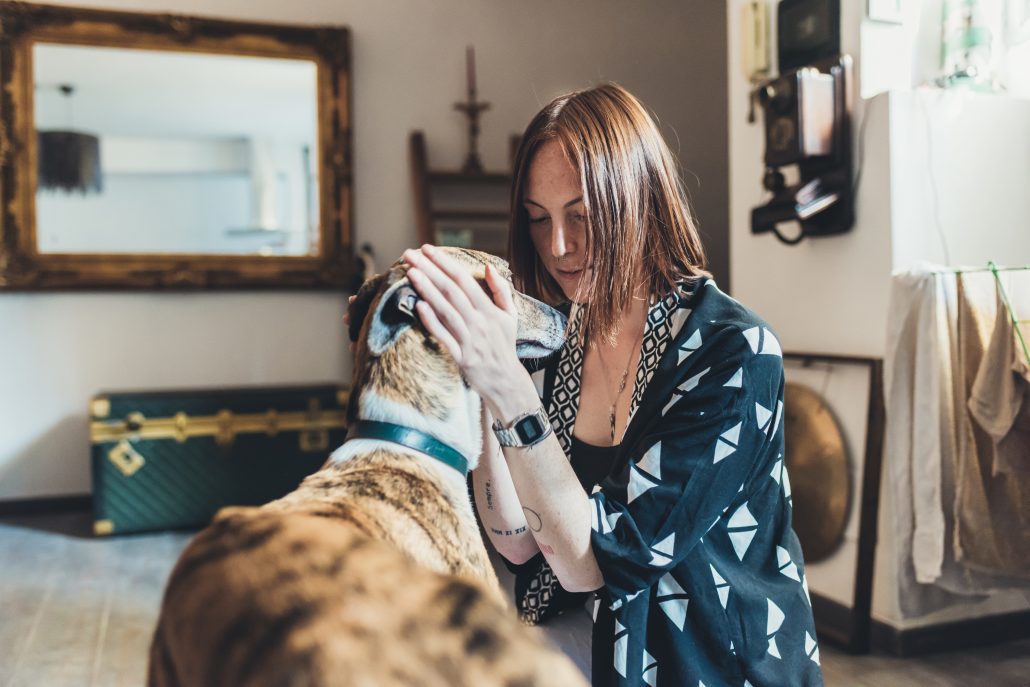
[661,486]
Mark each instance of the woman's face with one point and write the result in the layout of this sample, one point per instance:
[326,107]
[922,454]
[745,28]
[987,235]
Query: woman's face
[557,217]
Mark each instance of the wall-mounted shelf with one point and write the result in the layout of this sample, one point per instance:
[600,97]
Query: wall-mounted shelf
[454,208]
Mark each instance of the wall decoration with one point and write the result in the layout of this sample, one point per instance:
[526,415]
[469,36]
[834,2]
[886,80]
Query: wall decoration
[840,573]
[247,187]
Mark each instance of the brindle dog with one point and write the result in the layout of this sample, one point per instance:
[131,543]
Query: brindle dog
[373,572]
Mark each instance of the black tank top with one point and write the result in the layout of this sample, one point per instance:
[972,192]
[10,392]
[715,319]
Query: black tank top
[591,463]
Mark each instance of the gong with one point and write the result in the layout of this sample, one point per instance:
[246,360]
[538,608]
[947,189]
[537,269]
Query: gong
[819,470]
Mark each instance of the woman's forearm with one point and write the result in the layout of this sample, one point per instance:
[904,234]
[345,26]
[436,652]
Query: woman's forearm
[557,512]
[498,504]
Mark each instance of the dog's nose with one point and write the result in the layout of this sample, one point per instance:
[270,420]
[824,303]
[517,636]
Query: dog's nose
[560,321]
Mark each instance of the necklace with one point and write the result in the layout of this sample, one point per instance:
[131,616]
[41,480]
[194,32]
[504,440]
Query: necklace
[622,382]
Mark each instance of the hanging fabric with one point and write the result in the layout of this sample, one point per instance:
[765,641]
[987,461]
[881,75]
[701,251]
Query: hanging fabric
[1008,308]
[1000,397]
[991,512]
[926,404]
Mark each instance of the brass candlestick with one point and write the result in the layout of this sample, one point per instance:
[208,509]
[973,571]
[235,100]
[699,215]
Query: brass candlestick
[472,108]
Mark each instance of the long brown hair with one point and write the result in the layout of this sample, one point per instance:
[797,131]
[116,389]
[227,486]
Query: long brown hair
[638,215]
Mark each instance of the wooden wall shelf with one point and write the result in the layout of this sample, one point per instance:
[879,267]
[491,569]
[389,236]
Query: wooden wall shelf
[454,208]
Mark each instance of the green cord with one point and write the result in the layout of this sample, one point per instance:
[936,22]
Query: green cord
[1012,313]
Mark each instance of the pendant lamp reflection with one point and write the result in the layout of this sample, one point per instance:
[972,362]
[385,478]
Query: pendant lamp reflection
[69,161]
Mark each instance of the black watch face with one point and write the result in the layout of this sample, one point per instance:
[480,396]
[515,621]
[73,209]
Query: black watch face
[528,429]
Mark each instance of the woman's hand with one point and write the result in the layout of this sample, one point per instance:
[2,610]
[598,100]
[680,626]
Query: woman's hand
[477,330]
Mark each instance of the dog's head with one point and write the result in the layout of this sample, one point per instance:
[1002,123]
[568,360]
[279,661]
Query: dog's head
[390,299]
[403,375]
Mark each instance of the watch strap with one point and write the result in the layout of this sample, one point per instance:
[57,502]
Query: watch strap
[508,437]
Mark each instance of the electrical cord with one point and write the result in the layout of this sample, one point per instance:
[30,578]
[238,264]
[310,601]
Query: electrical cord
[789,241]
[936,211]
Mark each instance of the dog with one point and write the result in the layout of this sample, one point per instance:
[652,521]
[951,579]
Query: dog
[373,572]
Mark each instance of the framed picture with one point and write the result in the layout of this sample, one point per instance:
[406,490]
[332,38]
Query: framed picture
[888,11]
[834,420]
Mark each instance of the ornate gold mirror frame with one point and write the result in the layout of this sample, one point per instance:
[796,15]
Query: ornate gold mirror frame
[24,267]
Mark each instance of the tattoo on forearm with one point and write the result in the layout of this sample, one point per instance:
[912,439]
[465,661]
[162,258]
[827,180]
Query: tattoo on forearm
[533,519]
[489,496]
[546,549]
[508,533]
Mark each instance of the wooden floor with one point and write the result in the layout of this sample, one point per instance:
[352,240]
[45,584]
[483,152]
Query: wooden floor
[77,611]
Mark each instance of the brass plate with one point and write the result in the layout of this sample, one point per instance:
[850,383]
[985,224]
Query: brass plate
[126,458]
[100,407]
[820,474]
[224,426]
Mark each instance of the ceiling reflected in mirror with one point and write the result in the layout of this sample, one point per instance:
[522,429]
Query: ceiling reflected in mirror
[160,152]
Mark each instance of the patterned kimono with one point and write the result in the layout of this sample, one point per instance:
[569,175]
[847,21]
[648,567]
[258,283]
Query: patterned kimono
[704,580]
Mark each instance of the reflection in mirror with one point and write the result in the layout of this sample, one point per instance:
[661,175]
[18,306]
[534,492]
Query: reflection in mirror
[199,153]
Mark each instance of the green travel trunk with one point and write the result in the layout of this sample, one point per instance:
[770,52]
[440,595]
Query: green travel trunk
[166,460]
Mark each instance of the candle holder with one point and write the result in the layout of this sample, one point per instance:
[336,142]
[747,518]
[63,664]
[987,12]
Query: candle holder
[472,109]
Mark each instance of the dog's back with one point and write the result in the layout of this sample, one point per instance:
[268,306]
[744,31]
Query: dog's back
[266,597]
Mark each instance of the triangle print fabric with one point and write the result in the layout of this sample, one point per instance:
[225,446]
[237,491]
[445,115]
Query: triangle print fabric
[673,600]
[727,443]
[621,648]
[651,462]
[639,484]
[661,553]
[787,566]
[604,522]
[742,528]
[684,389]
[691,529]
[691,345]
[811,648]
[775,620]
[722,587]
[762,341]
[650,674]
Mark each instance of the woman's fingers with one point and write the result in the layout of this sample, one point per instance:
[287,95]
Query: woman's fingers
[500,289]
[458,274]
[346,313]
[445,284]
[438,330]
[442,306]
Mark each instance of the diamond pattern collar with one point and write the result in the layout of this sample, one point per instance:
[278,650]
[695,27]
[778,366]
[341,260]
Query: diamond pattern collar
[664,318]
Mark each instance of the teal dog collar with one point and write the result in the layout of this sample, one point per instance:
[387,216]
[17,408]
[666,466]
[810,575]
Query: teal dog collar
[411,438]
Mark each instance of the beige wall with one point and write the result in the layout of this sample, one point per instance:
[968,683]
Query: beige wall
[56,350]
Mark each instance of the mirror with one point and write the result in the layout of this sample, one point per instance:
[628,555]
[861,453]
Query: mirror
[197,153]
[169,151]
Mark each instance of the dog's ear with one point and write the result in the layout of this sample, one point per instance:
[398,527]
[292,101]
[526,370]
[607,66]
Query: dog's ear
[358,309]
[394,314]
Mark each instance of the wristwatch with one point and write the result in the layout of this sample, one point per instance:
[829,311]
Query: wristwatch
[524,431]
